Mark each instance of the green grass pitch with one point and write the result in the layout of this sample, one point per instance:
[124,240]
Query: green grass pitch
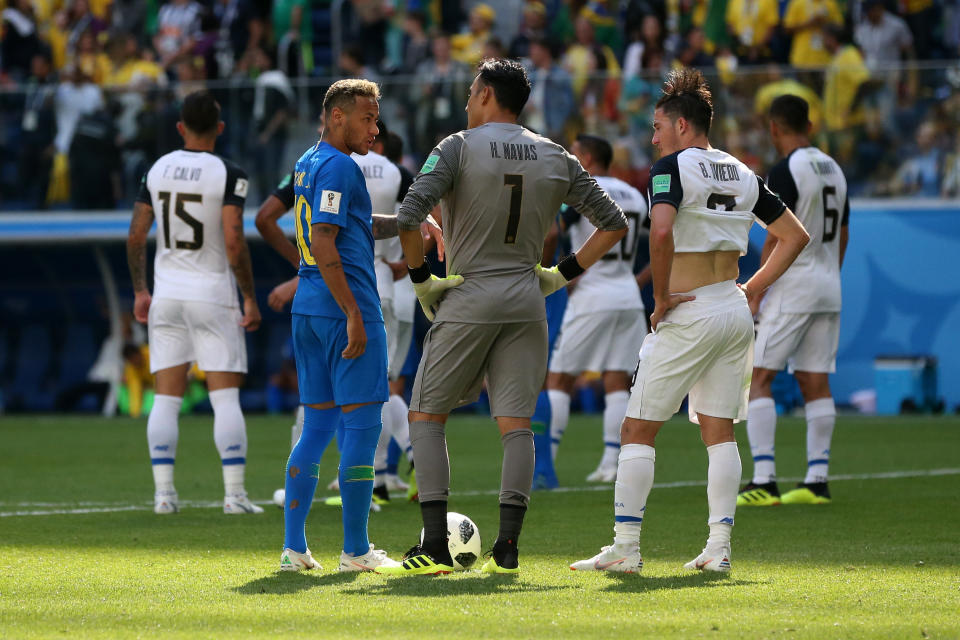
[882,561]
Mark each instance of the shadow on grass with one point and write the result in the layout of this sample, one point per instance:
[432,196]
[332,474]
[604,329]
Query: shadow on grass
[622,583]
[283,582]
[440,586]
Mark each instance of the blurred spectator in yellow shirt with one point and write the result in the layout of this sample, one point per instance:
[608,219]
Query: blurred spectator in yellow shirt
[468,47]
[845,75]
[779,86]
[587,57]
[805,20]
[752,23]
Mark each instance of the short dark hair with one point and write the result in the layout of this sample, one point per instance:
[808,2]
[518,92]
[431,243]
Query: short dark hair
[598,148]
[384,132]
[343,94]
[200,112]
[791,112]
[509,82]
[686,94]
[394,148]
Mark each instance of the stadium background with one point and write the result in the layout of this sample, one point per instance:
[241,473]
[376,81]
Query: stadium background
[89,93]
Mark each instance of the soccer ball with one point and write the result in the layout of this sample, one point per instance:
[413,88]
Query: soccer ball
[463,538]
[279,497]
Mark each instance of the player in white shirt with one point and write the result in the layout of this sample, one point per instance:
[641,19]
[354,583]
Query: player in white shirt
[383,185]
[703,202]
[799,321]
[604,323]
[193,314]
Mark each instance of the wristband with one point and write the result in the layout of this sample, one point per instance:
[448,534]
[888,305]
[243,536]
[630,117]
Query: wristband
[419,274]
[569,268]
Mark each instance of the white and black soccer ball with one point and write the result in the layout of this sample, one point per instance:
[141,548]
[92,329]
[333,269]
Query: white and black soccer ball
[463,538]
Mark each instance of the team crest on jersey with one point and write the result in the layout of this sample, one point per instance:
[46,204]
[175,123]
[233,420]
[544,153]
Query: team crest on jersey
[661,184]
[240,189]
[330,202]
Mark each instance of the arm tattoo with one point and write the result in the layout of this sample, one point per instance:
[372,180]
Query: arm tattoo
[240,258]
[137,244]
[384,226]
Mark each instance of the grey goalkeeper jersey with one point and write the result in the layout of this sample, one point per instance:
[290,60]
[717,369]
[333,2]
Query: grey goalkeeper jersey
[500,187]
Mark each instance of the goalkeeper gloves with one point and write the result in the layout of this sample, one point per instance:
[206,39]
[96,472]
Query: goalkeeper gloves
[557,277]
[429,288]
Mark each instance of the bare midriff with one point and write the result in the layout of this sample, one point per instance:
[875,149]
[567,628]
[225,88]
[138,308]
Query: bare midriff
[693,270]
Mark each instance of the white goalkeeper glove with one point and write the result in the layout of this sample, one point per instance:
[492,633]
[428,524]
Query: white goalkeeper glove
[430,288]
[557,277]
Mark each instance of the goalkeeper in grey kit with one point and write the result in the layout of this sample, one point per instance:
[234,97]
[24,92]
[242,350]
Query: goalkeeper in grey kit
[499,186]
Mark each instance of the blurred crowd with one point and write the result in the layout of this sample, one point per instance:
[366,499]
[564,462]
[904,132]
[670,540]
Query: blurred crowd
[90,89]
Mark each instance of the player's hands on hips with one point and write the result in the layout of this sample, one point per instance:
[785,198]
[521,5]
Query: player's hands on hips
[251,314]
[356,337]
[753,299]
[430,229]
[550,279]
[661,307]
[282,294]
[141,305]
[431,290]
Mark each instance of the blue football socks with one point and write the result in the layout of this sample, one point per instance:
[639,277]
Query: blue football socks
[361,432]
[319,427]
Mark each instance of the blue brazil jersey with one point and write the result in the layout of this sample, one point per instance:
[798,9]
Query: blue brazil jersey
[329,188]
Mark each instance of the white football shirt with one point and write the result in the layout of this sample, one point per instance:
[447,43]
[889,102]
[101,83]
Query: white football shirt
[188,190]
[383,185]
[609,284]
[812,184]
[717,198]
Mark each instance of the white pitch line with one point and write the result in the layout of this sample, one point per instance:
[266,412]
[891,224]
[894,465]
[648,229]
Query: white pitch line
[73,508]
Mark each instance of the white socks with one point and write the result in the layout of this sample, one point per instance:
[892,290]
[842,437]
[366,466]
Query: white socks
[634,481]
[380,456]
[762,426]
[230,435]
[761,429]
[821,417]
[162,435]
[297,428]
[400,423]
[615,408]
[723,481]
[559,417]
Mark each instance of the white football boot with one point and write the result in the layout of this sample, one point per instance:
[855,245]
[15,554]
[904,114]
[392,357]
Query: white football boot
[239,503]
[611,560]
[604,473]
[394,483]
[334,485]
[165,502]
[711,560]
[290,560]
[367,562]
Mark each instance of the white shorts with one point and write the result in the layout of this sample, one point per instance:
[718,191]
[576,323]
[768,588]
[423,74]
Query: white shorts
[601,341]
[186,331]
[703,347]
[801,341]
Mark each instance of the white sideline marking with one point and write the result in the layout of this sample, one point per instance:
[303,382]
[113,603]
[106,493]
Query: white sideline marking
[71,508]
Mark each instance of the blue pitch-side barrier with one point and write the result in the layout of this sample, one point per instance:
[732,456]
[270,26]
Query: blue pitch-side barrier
[901,279]
[48,228]
[901,290]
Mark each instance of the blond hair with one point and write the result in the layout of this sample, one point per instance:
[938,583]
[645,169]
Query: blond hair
[344,93]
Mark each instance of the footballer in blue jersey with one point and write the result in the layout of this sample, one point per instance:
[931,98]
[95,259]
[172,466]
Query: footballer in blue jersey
[338,336]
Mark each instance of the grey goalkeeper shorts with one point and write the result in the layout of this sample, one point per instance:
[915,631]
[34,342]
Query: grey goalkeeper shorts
[457,356]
